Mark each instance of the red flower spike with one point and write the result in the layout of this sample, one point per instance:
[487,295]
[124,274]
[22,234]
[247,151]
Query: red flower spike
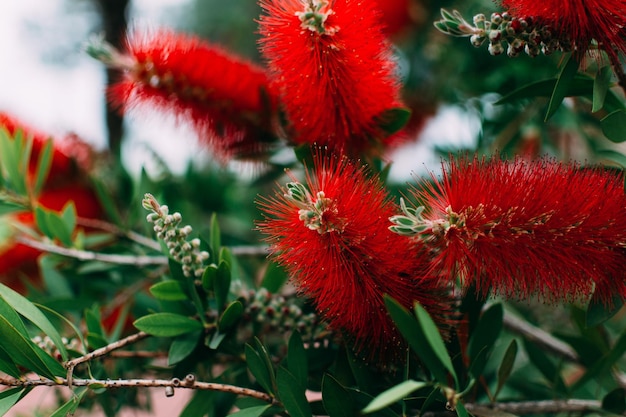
[61,165]
[526,228]
[226,99]
[331,235]
[71,157]
[334,70]
[579,20]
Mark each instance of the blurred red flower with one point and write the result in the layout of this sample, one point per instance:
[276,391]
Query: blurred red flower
[71,158]
[334,69]
[226,99]
[579,20]
[331,235]
[525,228]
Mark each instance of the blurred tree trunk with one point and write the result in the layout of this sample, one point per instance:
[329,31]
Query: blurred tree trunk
[114,24]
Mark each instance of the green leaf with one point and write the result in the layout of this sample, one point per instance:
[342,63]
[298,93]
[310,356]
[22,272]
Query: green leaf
[336,398]
[544,365]
[296,358]
[292,394]
[9,398]
[55,282]
[605,363]
[415,336]
[259,368]
[70,406]
[24,352]
[255,411]
[43,166]
[484,337]
[434,339]
[215,340]
[615,401]
[68,216]
[601,85]
[461,411]
[231,315]
[182,346]
[222,284]
[582,85]
[208,278]
[27,309]
[561,88]
[274,277]
[41,220]
[393,120]
[7,365]
[167,324]
[393,395]
[215,239]
[168,291]
[106,201]
[614,126]
[598,312]
[506,366]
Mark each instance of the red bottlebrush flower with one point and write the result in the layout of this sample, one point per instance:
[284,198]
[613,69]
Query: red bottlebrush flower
[524,228]
[68,152]
[70,159]
[332,237]
[334,70]
[226,99]
[579,21]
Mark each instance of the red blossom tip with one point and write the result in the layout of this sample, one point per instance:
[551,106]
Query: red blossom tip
[334,71]
[579,21]
[330,233]
[525,228]
[226,99]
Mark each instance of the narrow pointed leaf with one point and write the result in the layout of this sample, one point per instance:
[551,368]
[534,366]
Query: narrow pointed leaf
[506,366]
[598,312]
[292,394]
[27,309]
[167,324]
[168,291]
[70,406]
[336,398]
[9,398]
[259,369]
[393,395]
[415,336]
[24,352]
[561,88]
[600,87]
[614,126]
[484,337]
[296,359]
[255,411]
[231,315]
[43,167]
[434,339]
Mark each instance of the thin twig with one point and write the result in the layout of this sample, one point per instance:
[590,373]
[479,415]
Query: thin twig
[549,342]
[113,229]
[70,365]
[250,250]
[535,407]
[188,382]
[93,256]
[540,337]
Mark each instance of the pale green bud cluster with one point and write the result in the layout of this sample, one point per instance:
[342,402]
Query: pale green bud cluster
[167,228]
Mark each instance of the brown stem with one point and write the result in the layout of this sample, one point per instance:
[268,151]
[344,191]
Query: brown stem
[189,382]
[70,365]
